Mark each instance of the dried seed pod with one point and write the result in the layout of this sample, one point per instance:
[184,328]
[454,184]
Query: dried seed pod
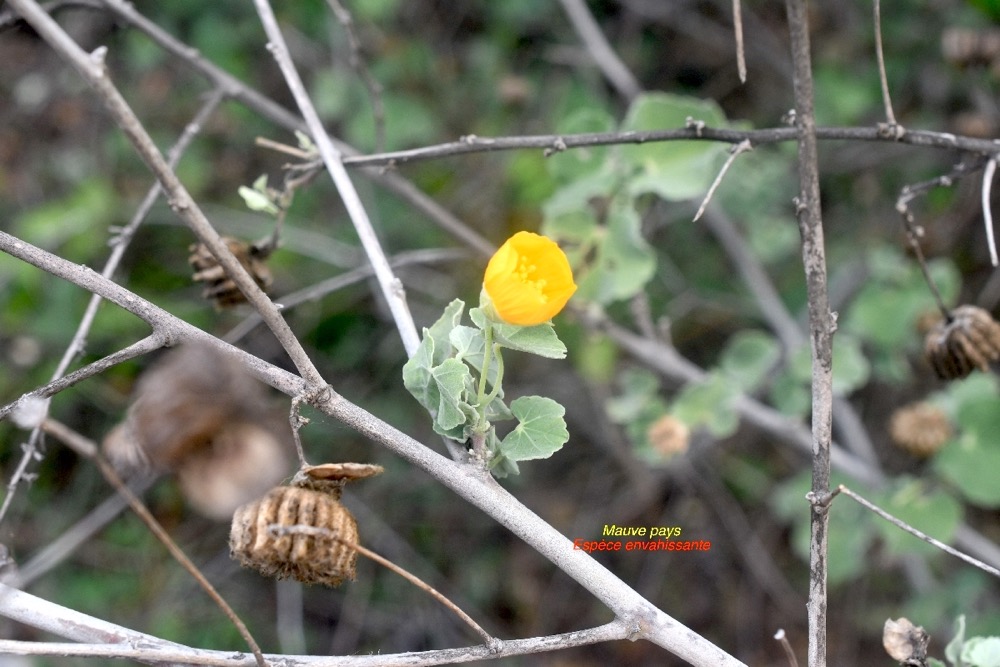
[920,429]
[905,642]
[291,532]
[331,477]
[219,287]
[668,436]
[968,340]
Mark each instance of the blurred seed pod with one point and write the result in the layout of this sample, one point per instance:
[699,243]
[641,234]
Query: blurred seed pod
[201,415]
[969,47]
[905,642]
[970,339]
[183,401]
[920,429]
[242,462]
[668,436]
[219,287]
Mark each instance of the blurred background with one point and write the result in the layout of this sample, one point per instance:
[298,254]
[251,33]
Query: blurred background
[446,70]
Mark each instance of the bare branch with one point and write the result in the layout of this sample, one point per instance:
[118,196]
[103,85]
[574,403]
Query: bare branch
[988,171]
[562,142]
[890,117]
[392,288]
[821,322]
[735,151]
[902,525]
[613,69]
[741,58]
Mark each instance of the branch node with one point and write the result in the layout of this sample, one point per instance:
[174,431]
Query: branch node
[821,501]
[98,55]
[893,131]
[698,126]
[558,146]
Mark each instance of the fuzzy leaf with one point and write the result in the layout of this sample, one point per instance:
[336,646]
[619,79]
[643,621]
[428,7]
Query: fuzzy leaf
[541,429]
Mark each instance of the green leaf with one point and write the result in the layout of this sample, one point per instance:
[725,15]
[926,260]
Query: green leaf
[970,464]
[257,201]
[710,403]
[417,374]
[851,369]
[540,339]
[570,164]
[469,346]
[541,429]
[625,261]
[674,170]
[982,652]
[441,330]
[451,377]
[748,358]
[935,513]
[790,395]
[953,650]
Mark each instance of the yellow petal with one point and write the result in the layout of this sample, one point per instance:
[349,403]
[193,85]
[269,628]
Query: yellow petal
[529,279]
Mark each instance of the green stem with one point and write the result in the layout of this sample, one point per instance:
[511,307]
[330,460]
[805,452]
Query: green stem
[490,352]
[483,372]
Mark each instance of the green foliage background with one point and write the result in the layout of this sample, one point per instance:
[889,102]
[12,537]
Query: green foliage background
[622,213]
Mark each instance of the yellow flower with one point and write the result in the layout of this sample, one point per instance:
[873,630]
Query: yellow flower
[529,279]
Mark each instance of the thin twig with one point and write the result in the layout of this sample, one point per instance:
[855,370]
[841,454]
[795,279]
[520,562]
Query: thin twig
[88,449]
[611,66]
[740,148]
[902,525]
[357,62]
[988,171]
[789,653]
[890,117]
[392,288]
[741,58]
[300,529]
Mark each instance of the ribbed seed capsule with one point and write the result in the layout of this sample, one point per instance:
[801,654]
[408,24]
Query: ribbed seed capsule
[970,339]
[291,532]
[219,287]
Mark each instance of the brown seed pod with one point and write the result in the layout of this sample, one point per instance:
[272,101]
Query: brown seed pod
[968,340]
[920,429]
[219,287]
[291,532]
[668,436]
